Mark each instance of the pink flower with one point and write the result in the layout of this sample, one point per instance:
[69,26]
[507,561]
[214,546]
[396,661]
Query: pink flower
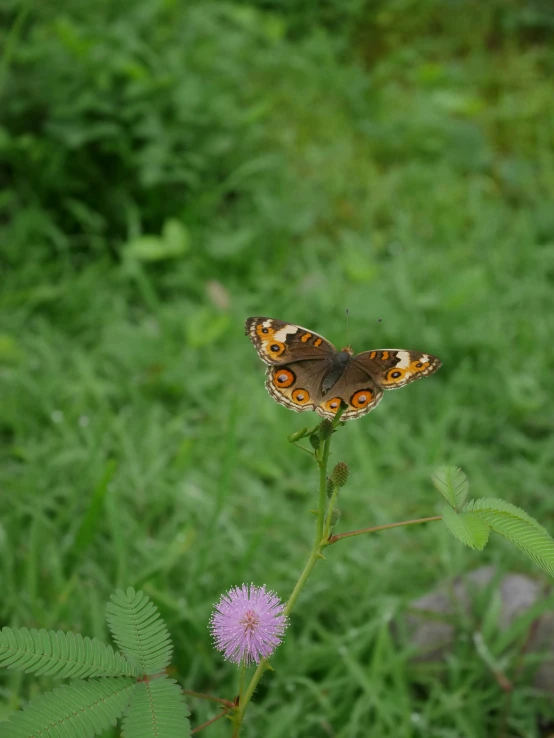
[248,624]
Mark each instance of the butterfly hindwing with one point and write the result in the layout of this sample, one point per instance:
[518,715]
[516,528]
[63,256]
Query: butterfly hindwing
[297,384]
[298,387]
[356,389]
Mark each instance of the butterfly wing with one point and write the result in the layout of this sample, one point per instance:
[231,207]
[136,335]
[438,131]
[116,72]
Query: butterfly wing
[298,360]
[358,391]
[394,368]
[361,385]
[280,343]
[297,385]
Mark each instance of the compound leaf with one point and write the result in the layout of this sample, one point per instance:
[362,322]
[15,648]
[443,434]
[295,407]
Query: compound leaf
[467,527]
[452,483]
[79,710]
[157,708]
[60,655]
[518,527]
[139,631]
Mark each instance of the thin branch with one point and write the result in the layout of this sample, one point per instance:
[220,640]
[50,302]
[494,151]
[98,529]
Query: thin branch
[334,539]
[209,722]
[303,449]
[226,703]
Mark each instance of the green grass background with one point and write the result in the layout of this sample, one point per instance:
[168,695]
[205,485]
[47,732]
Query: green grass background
[391,157]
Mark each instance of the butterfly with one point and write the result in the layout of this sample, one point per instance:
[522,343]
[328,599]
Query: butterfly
[306,372]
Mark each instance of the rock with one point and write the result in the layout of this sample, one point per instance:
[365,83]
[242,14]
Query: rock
[431,622]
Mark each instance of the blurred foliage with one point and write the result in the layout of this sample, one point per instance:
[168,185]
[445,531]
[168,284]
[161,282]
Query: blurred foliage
[167,169]
[116,117]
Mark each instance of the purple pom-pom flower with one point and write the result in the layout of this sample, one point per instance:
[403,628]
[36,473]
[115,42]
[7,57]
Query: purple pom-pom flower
[248,624]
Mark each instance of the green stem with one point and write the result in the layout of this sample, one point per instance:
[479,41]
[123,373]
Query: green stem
[322,461]
[314,556]
[262,666]
[319,543]
[322,458]
[241,681]
[330,509]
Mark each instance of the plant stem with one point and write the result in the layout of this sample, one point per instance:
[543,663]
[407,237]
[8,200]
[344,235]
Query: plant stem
[330,509]
[241,681]
[262,666]
[322,458]
[334,539]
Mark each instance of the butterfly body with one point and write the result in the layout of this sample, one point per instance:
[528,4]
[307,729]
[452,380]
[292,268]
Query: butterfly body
[306,372]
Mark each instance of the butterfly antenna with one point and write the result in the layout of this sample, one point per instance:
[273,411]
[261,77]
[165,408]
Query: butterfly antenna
[347,328]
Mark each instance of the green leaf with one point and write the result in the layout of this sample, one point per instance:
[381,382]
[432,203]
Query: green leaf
[452,483]
[79,710]
[10,350]
[173,243]
[176,237]
[89,524]
[519,528]
[205,326]
[157,708]
[60,655]
[145,248]
[467,527]
[139,631]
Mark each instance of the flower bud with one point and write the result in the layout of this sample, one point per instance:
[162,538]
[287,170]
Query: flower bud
[314,440]
[335,517]
[325,429]
[339,475]
[329,487]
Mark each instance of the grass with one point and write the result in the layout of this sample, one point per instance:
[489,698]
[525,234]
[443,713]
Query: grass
[404,173]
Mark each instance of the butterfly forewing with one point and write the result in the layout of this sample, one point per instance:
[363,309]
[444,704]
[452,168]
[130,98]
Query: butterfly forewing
[278,342]
[394,368]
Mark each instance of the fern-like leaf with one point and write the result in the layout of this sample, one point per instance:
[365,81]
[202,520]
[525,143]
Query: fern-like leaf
[453,485]
[519,528]
[60,655]
[467,527]
[139,630]
[157,709]
[78,710]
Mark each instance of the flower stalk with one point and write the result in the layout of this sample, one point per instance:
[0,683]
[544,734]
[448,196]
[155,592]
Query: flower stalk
[321,454]
[320,440]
